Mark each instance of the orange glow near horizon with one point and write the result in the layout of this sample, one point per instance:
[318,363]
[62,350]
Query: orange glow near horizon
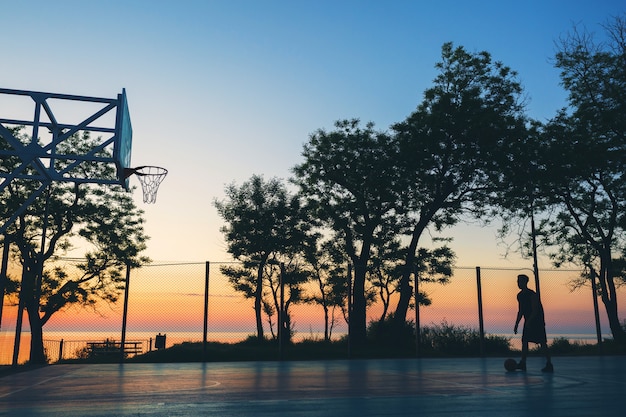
[173,301]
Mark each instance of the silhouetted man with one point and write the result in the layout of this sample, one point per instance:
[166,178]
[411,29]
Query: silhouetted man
[534,324]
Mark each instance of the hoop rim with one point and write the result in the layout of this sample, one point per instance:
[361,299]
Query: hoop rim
[130,171]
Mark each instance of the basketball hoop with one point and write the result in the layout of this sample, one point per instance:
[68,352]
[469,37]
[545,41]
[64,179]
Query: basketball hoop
[150,178]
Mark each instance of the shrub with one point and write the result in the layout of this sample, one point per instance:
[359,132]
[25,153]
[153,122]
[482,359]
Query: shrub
[438,340]
[384,333]
[448,339]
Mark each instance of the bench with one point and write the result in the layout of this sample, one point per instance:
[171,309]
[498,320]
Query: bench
[109,347]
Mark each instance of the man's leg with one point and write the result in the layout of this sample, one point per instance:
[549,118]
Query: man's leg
[546,352]
[522,363]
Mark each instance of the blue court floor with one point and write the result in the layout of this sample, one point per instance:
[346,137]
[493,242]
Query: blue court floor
[580,386]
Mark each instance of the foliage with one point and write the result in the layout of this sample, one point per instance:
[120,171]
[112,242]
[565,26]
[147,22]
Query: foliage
[449,144]
[265,227]
[589,191]
[444,339]
[385,333]
[349,180]
[468,150]
[104,219]
[448,339]
[325,262]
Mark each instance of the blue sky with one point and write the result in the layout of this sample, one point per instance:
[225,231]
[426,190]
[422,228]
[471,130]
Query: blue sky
[221,90]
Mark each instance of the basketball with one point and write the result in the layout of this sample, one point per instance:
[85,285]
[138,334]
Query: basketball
[510,364]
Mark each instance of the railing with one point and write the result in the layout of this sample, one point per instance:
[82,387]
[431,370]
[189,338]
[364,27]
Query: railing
[58,350]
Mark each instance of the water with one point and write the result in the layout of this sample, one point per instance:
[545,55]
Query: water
[74,342]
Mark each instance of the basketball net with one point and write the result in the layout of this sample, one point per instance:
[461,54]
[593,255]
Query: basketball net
[150,178]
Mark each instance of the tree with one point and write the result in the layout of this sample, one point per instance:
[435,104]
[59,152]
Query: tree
[324,264]
[294,276]
[104,219]
[348,178]
[262,221]
[434,266]
[525,192]
[449,145]
[587,147]
[385,272]
[285,277]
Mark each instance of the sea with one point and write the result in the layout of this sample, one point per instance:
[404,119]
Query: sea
[73,343]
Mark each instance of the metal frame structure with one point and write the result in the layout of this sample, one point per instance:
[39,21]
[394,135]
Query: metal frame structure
[108,118]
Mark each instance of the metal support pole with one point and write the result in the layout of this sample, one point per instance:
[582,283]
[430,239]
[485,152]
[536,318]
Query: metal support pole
[481,325]
[349,309]
[418,330]
[125,314]
[18,326]
[42,250]
[206,312]
[533,233]
[281,313]
[3,273]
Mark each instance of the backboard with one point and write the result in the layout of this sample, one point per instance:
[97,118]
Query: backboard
[124,144]
[51,137]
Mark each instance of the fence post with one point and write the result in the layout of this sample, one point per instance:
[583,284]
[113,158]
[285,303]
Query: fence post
[3,272]
[60,351]
[206,312]
[125,314]
[481,326]
[349,309]
[418,331]
[281,312]
[18,327]
[533,232]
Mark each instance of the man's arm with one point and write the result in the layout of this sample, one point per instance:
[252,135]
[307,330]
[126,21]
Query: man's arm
[517,320]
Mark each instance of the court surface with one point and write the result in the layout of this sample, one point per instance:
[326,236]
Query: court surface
[580,386]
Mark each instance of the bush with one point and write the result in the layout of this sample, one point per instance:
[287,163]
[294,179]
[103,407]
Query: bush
[384,334]
[561,345]
[436,340]
[448,339]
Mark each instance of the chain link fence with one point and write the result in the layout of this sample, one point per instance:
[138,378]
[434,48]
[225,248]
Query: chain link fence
[170,299]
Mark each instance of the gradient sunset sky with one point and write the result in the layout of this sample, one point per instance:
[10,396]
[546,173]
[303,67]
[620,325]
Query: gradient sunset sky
[221,90]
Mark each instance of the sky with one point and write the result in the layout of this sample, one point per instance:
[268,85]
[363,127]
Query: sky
[221,90]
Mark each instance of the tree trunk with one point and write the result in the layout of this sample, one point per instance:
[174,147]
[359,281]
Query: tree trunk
[326,323]
[30,298]
[358,316]
[258,308]
[609,299]
[404,287]
[616,328]
[37,352]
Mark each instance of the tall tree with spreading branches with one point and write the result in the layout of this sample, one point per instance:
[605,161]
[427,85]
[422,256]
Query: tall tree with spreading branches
[262,222]
[448,146]
[347,179]
[103,219]
[586,144]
